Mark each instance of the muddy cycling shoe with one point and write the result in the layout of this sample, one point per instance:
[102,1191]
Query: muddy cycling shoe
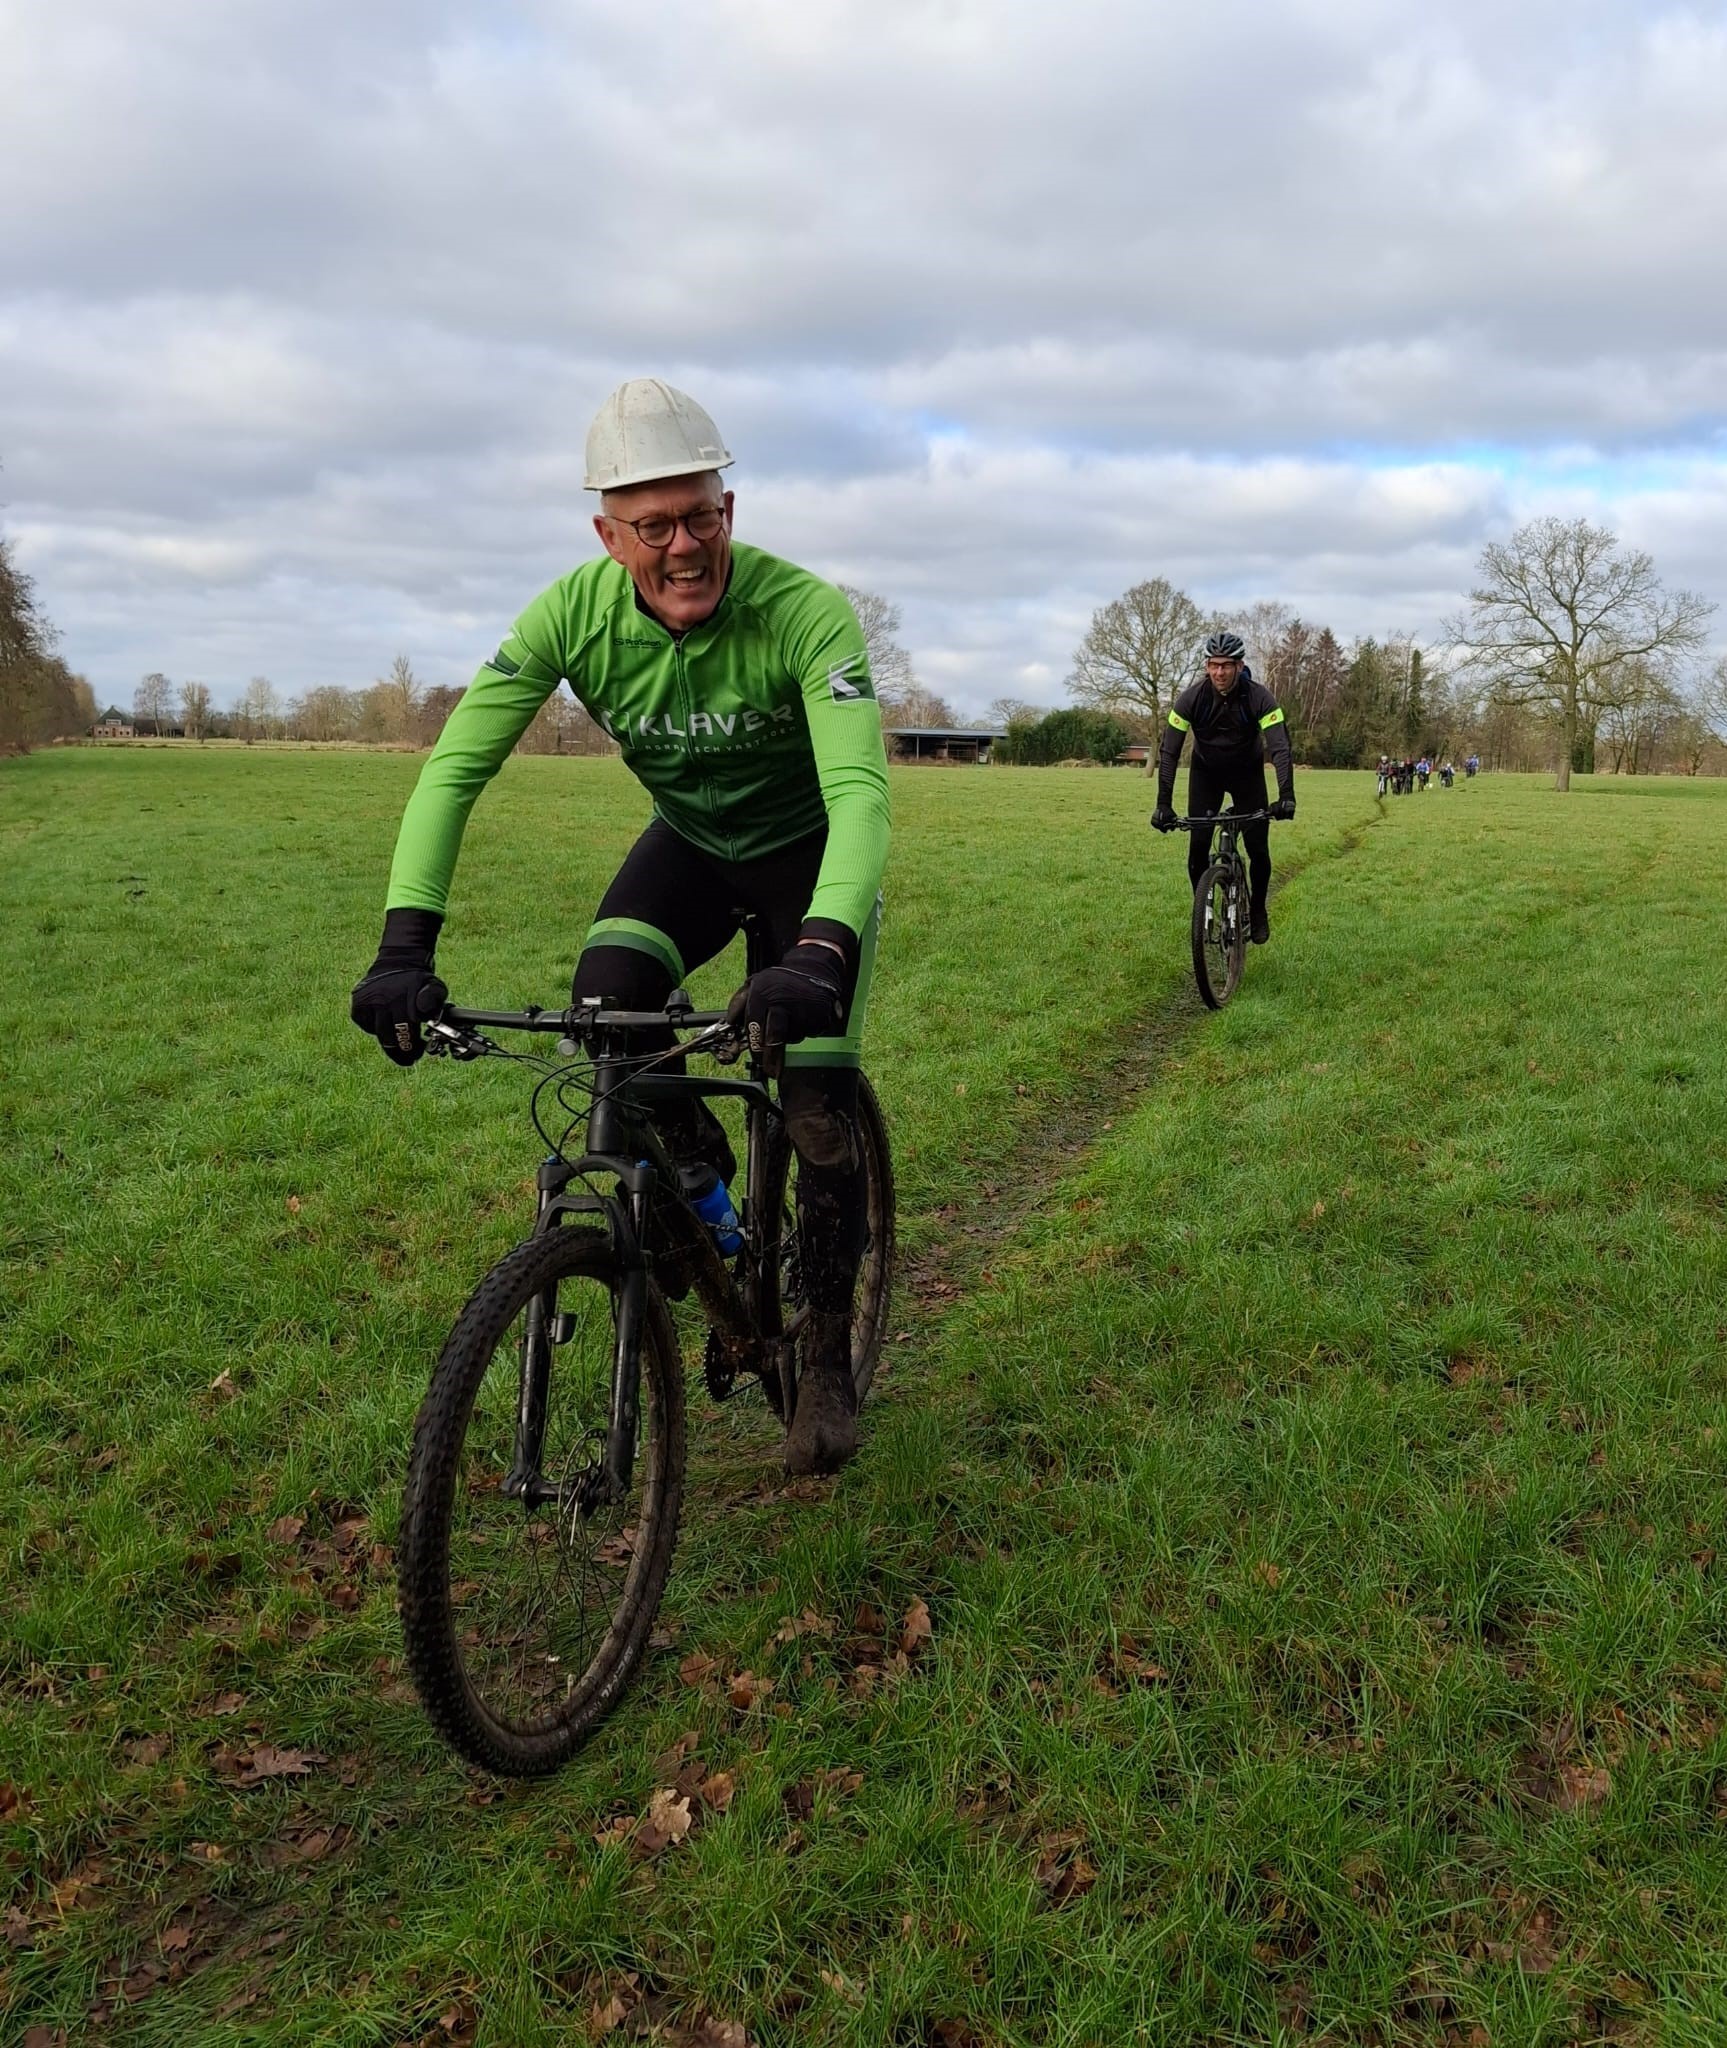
[824,1431]
[1259,928]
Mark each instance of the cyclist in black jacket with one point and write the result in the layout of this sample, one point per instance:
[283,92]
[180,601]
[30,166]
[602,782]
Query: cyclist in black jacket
[1233,720]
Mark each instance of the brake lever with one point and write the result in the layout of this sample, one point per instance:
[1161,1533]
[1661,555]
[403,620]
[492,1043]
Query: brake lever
[452,1042]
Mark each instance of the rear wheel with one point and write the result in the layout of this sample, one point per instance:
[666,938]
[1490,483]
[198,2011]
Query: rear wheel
[1219,933]
[874,1288]
[524,1615]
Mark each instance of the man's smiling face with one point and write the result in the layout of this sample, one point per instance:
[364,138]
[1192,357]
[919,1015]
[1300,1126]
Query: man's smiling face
[679,574]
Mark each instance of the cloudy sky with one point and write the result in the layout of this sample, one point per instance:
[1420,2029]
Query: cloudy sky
[304,307]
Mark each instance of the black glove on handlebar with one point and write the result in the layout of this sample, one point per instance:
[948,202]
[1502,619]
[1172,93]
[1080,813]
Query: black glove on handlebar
[1163,818]
[1284,807]
[803,997]
[400,991]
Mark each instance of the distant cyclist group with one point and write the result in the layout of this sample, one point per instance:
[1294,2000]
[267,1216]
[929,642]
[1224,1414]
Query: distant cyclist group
[1400,777]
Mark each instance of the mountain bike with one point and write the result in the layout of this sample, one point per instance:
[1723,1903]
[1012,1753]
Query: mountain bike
[1222,907]
[547,1470]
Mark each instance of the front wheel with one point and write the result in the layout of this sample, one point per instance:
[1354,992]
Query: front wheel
[1220,913]
[784,1266]
[528,1585]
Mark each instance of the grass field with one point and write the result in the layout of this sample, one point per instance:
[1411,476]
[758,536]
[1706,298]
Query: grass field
[1305,1427]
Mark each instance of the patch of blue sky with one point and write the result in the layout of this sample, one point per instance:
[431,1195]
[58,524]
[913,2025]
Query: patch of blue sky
[1573,464]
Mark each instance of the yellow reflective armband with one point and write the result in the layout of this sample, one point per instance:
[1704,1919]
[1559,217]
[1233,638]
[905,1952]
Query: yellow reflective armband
[1180,723]
[1272,717]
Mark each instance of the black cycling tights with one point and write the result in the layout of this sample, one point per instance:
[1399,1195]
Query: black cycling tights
[671,902]
[1245,787]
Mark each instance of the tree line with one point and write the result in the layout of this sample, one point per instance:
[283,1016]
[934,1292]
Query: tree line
[397,710]
[41,699]
[1570,653]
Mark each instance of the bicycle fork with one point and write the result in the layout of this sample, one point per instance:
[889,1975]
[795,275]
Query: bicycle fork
[544,1326]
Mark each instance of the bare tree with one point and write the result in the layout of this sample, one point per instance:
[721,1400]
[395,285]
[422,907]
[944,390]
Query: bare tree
[1006,711]
[195,709]
[327,713]
[1709,696]
[152,701]
[1137,652]
[563,726]
[435,706]
[1560,610]
[919,706]
[258,715]
[889,664]
[26,645]
[1636,703]
[390,704]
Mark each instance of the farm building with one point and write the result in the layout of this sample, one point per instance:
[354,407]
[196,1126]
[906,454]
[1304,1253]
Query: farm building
[939,743]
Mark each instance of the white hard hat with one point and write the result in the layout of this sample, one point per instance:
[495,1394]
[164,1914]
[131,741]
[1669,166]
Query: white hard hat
[647,429]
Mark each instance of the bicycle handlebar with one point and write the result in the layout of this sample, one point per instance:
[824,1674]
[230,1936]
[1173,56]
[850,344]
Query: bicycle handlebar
[579,1019]
[1226,818]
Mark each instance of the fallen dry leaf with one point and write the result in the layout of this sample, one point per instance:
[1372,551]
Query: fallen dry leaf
[13,1804]
[842,1986]
[697,1668]
[608,2014]
[147,1750]
[176,1937]
[809,1623]
[718,1791]
[618,1549]
[668,1760]
[712,2033]
[223,1384]
[1062,1873]
[257,1766]
[293,1205]
[915,1630]
[1268,1574]
[746,1688]
[1582,1786]
[284,1529]
[668,1819]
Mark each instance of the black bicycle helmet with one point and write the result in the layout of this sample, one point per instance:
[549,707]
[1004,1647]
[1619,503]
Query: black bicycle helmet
[1226,647]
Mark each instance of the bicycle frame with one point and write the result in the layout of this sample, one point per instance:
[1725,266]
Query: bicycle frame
[647,1200]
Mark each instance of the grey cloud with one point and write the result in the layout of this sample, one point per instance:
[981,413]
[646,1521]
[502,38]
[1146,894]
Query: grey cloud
[1002,307]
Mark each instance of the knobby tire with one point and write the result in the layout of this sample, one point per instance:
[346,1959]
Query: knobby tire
[518,1705]
[1220,940]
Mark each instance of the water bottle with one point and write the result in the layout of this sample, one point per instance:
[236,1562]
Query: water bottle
[711,1199]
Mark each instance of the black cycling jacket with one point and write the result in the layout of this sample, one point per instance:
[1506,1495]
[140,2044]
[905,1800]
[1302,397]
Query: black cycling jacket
[1228,732]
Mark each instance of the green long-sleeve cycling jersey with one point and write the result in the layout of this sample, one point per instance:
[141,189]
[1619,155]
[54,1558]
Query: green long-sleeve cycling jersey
[749,731]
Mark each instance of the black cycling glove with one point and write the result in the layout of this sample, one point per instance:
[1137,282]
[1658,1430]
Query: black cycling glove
[1284,806]
[400,990]
[803,997]
[1163,818]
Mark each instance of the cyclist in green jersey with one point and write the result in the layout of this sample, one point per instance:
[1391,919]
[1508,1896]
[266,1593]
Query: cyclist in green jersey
[738,689]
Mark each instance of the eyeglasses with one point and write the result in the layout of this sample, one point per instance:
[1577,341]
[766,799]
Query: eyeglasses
[659,528]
